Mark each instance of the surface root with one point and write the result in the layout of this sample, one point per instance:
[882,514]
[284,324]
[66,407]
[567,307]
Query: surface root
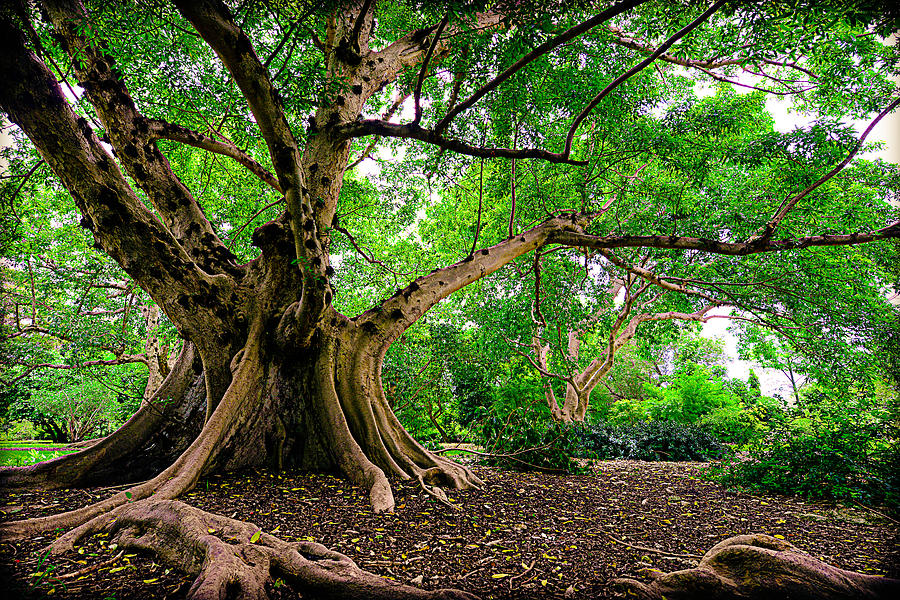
[760,567]
[235,559]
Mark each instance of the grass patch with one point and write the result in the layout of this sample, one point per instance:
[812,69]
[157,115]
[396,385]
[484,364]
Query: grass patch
[26,443]
[21,455]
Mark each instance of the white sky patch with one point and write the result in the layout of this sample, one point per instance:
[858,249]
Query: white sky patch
[771,381]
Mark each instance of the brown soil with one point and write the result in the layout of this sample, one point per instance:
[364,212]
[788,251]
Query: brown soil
[525,535]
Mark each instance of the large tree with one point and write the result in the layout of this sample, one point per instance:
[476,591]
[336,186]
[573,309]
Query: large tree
[120,100]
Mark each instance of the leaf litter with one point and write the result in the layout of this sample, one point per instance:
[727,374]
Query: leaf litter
[524,535]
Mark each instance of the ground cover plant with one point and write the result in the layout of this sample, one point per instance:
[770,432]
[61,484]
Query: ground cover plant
[326,236]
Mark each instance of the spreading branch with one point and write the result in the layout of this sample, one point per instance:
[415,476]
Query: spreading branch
[538,52]
[788,204]
[573,129]
[128,133]
[169,131]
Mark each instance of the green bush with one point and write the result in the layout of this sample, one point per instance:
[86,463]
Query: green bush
[837,451]
[656,440]
[688,397]
[526,439]
[625,411]
[734,424]
[19,430]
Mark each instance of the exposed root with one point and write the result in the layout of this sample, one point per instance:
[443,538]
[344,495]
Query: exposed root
[381,496]
[435,492]
[234,559]
[759,567]
[693,557]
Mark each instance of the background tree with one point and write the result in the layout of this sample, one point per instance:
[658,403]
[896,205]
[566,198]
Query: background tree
[277,366]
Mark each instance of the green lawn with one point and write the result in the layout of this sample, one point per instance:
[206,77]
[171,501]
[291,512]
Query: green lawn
[30,452]
[26,443]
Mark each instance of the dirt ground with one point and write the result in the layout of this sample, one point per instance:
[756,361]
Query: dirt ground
[525,535]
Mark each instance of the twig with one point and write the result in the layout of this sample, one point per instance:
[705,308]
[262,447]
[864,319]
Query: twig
[87,570]
[471,572]
[522,574]
[121,485]
[870,509]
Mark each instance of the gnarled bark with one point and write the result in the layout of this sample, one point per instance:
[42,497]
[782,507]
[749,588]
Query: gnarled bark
[760,567]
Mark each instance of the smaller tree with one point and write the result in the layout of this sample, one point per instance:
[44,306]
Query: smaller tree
[643,299]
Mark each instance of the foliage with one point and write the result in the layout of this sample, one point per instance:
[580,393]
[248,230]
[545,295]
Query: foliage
[18,430]
[656,440]
[692,394]
[734,424]
[19,458]
[844,448]
[525,438]
[72,406]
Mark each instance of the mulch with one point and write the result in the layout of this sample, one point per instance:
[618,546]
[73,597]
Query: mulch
[524,535]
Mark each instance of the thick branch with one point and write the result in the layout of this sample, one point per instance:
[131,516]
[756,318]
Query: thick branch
[415,132]
[571,238]
[122,226]
[128,133]
[406,306]
[177,133]
[214,23]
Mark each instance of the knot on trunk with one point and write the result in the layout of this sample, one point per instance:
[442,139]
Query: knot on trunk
[274,238]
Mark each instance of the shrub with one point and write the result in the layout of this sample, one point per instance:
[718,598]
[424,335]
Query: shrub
[626,410]
[734,424]
[526,439]
[656,440]
[19,430]
[836,451]
[688,397]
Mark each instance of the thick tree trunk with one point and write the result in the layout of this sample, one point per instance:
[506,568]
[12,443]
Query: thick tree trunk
[316,407]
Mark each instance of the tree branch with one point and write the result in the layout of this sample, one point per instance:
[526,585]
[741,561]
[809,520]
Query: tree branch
[406,306]
[128,133]
[415,132]
[635,69]
[541,50]
[766,232]
[214,23]
[572,238]
[163,130]
[122,226]
[418,93]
